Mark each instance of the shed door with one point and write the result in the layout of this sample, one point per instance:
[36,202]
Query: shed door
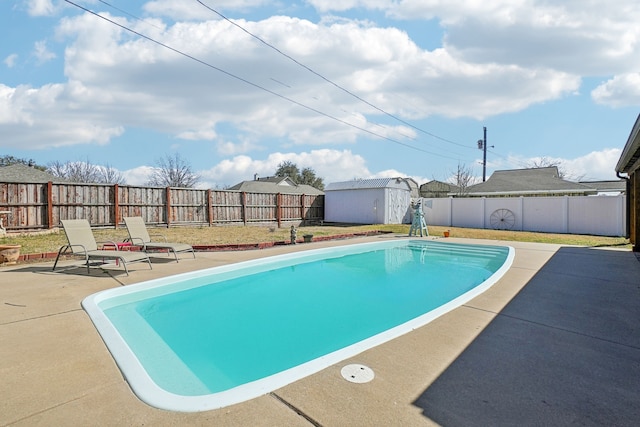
[399,202]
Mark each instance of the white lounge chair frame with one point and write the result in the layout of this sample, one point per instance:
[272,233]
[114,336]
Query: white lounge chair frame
[83,243]
[139,236]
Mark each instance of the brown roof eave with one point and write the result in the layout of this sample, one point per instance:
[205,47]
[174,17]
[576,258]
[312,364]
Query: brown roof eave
[630,158]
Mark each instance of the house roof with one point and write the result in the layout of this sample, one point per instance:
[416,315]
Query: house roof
[607,186]
[22,173]
[360,184]
[275,184]
[630,158]
[528,181]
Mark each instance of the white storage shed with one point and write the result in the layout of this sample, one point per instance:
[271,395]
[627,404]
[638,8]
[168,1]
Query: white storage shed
[368,201]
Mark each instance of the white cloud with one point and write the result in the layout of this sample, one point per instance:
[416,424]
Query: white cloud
[343,165]
[596,165]
[620,91]
[324,6]
[331,165]
[41,52]
[202,134]
[51,116]
[40,7]
[10,61]
[190,10]
[393,173]
[497,57]
[339,165]
[120,82]
[228,148]
[570,36]
[138,176]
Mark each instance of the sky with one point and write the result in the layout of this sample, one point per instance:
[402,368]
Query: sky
[353,89]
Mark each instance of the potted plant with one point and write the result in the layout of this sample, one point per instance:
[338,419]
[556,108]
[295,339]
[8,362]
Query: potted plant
[308,238]
[9,254]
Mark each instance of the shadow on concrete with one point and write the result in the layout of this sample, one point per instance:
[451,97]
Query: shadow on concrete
[564,351]
[76,270]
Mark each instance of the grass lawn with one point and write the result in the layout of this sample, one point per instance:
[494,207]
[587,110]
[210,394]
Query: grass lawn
[233,235]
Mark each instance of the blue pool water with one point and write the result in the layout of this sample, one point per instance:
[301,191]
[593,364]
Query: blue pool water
[207,339]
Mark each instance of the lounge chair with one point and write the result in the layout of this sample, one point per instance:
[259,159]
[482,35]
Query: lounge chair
[83,243]
[139,236]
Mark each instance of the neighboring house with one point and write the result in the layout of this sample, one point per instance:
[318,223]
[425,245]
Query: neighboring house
[528,182]
[369,201]
[276,184]
[22,173]
[609,188]
[435,189]
[629,164]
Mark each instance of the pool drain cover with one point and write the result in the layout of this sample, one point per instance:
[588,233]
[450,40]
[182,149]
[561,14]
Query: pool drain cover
[357,373]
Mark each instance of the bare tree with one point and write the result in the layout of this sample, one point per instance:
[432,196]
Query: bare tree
[85,172]
[463,178]
[545,162]
[173,171]
[74,171]
[109,175]
[57,168]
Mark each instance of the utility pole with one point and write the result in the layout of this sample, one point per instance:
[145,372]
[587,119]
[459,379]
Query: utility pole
[482,145]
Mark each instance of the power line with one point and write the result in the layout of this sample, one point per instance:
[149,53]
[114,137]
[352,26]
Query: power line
[319,75]
[511,160]
[129,14]
[275,80]
[250,83]
[329,80]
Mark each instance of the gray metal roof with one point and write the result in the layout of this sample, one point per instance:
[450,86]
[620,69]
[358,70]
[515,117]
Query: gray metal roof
[22,173]
[528,181]
[360,184]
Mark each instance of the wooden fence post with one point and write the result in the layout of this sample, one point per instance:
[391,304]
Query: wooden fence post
[168,207]
[116,206]
[243,209]
[302,208]
[210,206]
[50,205]
[279,209]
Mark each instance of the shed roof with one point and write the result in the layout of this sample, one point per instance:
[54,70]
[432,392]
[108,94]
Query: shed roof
[360,184]
[528,181]
[22,173]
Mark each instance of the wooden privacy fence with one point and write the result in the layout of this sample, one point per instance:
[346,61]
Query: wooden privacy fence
[44,205]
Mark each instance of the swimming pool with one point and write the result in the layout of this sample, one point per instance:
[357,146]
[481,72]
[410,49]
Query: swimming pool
[215,337]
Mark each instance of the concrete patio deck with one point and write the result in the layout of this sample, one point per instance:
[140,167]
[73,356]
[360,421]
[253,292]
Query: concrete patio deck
[555,342]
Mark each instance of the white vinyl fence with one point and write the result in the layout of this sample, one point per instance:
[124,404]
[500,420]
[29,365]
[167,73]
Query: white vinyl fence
[595,215]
